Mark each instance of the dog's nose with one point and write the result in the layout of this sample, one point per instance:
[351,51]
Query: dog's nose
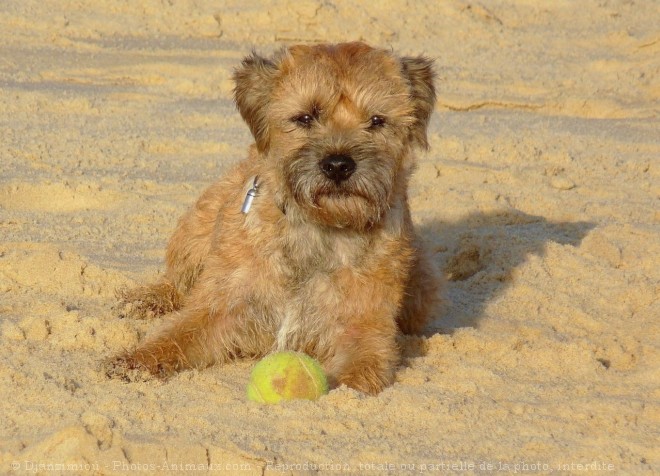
[338,167]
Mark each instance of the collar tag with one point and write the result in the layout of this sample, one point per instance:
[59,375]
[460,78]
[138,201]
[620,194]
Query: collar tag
[249,196]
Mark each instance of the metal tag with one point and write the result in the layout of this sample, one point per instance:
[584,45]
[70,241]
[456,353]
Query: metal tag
[249,197]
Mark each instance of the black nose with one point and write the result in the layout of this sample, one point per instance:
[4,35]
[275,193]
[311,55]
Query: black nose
[338,167]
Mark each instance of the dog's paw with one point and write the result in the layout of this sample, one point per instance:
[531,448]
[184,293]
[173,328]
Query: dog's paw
[146,302]
[367,380]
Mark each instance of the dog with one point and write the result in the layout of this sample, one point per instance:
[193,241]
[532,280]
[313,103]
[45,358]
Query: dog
[308,244]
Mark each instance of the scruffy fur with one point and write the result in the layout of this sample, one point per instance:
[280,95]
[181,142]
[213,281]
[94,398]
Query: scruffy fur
[326,266]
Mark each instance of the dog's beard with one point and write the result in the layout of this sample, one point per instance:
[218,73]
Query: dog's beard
[359,202]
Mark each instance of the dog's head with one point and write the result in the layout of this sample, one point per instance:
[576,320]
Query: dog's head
[338,123]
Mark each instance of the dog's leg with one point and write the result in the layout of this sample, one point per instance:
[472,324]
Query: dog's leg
[196,338]
[363,354]
[365,357]
[183,345]
[186,251]
[421,297]
[212,327]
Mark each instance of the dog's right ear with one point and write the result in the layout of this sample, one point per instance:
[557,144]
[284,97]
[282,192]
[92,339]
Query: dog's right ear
[254,81]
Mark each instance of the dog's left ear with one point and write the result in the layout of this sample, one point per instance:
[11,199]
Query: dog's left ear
[418,71]
[254,81]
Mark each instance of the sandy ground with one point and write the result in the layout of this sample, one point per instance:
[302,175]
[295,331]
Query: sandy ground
[539,197]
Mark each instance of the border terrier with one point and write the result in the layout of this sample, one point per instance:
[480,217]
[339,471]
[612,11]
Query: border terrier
[307,244]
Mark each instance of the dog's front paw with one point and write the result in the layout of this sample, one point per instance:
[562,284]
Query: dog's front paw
[367,380]
[134,368]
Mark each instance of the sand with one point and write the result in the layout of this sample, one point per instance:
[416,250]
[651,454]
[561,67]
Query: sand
[539,197]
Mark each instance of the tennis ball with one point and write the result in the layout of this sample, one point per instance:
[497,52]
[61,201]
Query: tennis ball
[286,376]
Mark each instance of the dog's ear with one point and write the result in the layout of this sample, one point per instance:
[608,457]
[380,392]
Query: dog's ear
[254,81]
[418,71]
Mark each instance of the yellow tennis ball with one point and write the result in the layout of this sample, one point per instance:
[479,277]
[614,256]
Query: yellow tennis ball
[286,376]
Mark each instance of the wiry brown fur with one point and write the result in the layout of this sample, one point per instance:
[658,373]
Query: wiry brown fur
[330,269]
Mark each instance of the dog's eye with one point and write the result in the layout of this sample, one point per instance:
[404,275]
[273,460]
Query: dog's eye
[376,121]
[304,120]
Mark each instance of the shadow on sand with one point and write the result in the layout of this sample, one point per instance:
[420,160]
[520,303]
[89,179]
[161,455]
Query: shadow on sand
[478,255]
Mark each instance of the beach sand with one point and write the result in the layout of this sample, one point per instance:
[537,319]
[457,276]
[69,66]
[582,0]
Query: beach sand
[539,197]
